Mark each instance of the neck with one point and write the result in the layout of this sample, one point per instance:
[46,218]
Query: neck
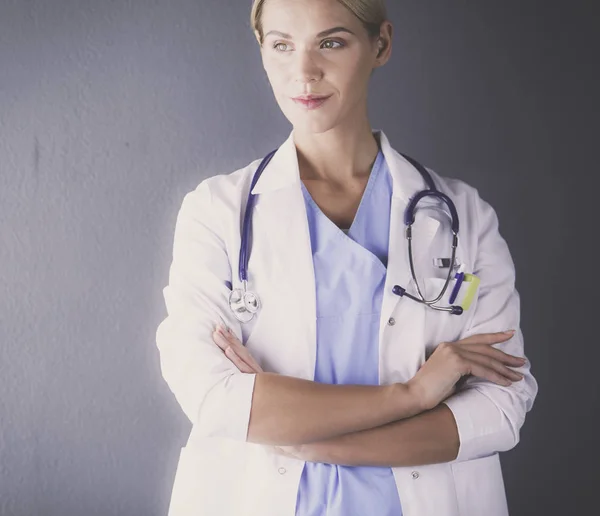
[343,154]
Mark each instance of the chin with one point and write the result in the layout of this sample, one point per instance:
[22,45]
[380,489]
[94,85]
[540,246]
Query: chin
[311,124]
[310,127]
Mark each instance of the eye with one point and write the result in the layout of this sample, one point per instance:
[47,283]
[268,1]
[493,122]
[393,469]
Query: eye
[276,45]
[333,42]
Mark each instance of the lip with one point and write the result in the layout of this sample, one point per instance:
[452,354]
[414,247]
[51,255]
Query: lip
[310,97]
[311,101]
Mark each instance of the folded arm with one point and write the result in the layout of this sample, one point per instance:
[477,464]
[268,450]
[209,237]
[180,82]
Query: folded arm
[288,410]
[273,409]
[219,400]
[480,419]
[427,438]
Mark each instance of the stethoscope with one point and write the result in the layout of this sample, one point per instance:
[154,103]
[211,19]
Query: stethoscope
[245,303]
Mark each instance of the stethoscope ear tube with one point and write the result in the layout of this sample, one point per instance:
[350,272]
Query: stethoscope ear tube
[244,247]
[409,214]
[244,304]
[409,219]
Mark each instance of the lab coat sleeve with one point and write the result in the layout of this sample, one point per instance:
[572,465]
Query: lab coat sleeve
[489,416]
[212,392]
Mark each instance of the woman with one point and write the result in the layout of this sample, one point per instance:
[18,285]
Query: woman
[346,397]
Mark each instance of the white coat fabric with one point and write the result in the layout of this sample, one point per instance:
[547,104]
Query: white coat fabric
[221,474]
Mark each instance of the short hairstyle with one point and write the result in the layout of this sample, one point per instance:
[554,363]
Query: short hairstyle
[372,13]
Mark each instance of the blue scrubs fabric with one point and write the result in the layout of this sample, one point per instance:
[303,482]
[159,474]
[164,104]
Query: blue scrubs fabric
[350,271]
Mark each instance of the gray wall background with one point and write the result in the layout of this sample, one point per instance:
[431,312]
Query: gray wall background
[111,111]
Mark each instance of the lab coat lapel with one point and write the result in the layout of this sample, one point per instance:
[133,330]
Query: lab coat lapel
[282,209]
[406,182]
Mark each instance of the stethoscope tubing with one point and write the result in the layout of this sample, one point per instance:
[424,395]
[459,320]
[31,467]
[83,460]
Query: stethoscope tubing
[244,251]
[250,309]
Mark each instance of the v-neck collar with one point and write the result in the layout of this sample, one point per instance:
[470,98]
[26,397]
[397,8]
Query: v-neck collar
[375,171]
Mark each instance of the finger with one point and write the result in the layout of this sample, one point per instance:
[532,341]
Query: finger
[498,354]
[238,362]
[487,338]
[489,374]
[247,357]
[492,363]
[282,451]
[225,345]
[220,341]
[240,349]
[231,353]
[495,353]
[489,371]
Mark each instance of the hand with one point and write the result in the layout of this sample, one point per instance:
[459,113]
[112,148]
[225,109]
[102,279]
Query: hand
[293,452]
[235,350]
[312,452]
[437,377]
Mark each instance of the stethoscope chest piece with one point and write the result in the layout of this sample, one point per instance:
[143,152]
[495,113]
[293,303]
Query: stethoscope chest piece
[244,304]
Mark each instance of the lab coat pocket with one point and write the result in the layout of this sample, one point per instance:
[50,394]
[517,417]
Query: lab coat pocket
[480,487]
[442,326]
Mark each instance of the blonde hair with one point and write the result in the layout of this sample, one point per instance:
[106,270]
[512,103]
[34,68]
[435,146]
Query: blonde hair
[372,13]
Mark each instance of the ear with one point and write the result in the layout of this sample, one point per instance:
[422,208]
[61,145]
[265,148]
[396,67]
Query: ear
[257,36]
[384,43]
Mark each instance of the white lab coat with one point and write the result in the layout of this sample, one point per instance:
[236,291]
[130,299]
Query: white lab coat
[219,473]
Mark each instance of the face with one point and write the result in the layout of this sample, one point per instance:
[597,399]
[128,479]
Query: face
[303,56]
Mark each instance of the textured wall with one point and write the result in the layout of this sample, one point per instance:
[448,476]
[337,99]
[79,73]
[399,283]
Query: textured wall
[111,111]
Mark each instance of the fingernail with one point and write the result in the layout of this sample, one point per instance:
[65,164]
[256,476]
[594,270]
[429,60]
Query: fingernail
[510,332]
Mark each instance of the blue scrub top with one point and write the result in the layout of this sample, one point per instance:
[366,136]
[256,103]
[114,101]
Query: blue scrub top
[350,270]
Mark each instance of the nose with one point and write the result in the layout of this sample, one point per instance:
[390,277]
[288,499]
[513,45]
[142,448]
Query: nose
[307,69]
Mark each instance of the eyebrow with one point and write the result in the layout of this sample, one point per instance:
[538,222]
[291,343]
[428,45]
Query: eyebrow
[327,32]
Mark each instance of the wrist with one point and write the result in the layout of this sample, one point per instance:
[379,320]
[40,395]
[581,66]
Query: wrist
[406,400]
[320,451]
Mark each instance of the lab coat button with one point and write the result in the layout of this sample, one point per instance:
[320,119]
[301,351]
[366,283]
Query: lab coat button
[391,321]
[415,475]
[282,471]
